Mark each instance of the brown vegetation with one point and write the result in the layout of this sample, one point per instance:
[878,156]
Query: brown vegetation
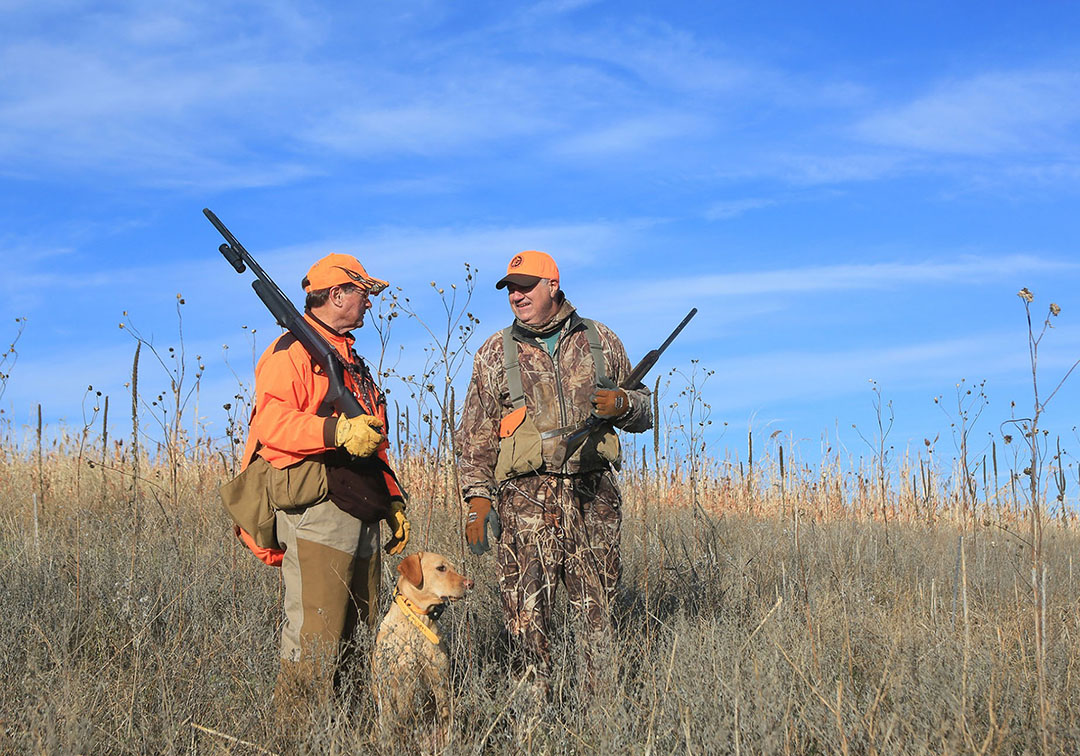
[775,617]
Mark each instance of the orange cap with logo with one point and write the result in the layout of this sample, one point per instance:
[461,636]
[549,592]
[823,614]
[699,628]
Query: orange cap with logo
[529,267]
[338,269]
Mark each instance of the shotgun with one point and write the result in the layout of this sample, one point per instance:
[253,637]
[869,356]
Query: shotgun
[575,438]
[287,317]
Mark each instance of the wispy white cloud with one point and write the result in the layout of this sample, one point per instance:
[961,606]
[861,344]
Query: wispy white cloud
[1028,112]
[761,293]
[179,94]
[429,184]
[218,98]
[628,136]
[727,209]
[654,56]
[1050,173]
[150,91]
[860,276]
[838,167]
[557,7]
[769,379]
[424,128]
[157,114]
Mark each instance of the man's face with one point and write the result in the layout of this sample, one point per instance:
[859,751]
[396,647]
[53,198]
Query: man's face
[355,302]
[536,304]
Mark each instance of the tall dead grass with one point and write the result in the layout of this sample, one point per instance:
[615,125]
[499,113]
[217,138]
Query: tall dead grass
[773,618]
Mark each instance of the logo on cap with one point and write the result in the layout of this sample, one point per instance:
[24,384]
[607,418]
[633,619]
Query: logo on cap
[516,262]
[355,276]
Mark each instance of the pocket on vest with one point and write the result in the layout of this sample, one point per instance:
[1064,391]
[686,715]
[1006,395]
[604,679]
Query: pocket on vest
[521,452]
[297,486]
[248,501]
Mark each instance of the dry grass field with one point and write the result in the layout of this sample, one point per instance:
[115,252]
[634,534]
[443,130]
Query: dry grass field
[776,615]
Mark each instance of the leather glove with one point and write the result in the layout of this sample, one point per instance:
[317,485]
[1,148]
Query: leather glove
[359,435]
[399,528]
[610,402]
[481,515]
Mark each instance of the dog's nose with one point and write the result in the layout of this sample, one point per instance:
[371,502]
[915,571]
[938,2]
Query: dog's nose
[468,584]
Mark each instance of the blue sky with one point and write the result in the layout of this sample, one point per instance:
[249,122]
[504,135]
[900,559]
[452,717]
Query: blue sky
[847,192]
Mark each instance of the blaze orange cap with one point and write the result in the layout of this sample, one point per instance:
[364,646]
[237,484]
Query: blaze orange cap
[338,269]
[529,267]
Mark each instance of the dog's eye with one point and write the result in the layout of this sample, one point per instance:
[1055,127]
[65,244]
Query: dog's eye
[441,568]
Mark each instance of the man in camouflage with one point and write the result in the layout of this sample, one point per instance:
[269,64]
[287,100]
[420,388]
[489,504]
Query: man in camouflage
[532,383]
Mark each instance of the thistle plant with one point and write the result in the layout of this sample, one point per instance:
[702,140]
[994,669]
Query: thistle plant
[168,407]
[693,418]
[879,446]
[969,405]
[445,352]
[1035,438]
[10,356]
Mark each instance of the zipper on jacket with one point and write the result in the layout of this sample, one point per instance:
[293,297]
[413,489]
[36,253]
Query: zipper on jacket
[559,387]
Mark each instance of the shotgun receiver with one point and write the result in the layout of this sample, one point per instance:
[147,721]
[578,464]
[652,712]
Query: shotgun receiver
[573,440]
[287,317]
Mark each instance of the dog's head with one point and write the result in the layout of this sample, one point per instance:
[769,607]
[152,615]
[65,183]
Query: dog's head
[429,580]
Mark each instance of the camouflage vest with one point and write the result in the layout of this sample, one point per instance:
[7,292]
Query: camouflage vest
[513,367]
[520,442]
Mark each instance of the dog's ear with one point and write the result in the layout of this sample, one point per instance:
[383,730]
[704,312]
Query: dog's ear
[410,569]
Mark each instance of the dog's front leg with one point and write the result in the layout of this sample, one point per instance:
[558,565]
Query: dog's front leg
[438,679]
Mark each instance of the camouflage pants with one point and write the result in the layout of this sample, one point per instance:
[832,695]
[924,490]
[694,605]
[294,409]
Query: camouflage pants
[557,529]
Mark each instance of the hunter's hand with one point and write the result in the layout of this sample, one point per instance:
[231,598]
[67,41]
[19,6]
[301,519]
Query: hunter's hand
[480,515]
[610,404]
[399,528]
[359,435]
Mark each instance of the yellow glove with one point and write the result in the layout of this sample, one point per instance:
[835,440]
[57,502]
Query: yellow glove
[399,528]
[359,435]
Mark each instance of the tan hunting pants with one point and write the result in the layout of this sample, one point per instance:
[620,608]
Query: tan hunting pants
[331,572]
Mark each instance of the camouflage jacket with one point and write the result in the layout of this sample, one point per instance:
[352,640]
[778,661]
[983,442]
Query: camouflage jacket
[557,394]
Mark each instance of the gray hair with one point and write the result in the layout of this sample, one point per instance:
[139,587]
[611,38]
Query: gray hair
[318,297]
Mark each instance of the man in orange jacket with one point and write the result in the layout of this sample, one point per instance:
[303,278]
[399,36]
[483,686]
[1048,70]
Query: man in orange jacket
[329,532]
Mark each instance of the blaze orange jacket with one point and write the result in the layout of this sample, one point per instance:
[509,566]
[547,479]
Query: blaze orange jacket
[289,421]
